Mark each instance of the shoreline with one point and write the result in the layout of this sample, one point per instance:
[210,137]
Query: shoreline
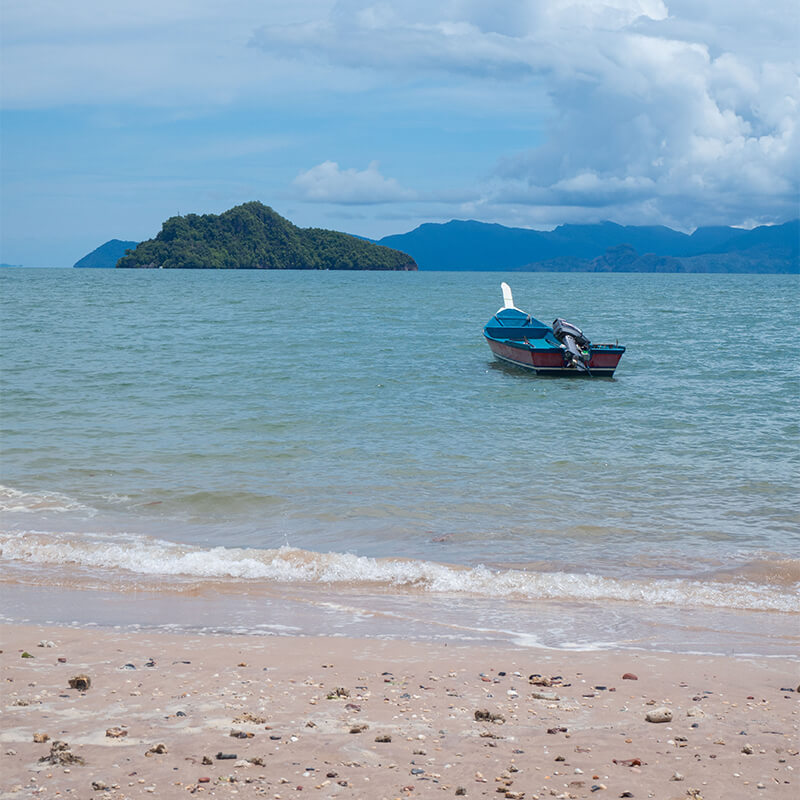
[381,613]
[390,718]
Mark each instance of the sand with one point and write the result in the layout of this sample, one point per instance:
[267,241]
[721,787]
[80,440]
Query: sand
[333,717]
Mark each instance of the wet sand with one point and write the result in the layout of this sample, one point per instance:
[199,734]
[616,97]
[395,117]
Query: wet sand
[367,718]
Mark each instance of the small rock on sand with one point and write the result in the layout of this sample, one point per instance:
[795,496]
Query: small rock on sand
[80,682]
[544,696]
[61,754]
[484,715]
[662,714]
[40,738]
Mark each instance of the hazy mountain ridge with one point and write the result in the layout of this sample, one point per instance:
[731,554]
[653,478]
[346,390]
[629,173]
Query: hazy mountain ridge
[107,254]
[458,244]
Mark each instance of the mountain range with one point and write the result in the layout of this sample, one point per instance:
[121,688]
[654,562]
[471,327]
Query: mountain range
[603,247]
[470,245]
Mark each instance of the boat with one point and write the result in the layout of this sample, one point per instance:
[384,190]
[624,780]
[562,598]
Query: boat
[516,337]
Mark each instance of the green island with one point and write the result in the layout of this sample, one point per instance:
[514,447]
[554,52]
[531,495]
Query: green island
[253,236]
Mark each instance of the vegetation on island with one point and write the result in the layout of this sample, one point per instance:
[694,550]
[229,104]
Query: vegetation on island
[253,236]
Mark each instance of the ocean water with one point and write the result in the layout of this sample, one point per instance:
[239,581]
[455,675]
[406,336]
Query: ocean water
[336,452]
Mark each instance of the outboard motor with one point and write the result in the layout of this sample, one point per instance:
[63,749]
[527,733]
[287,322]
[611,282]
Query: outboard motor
[575,344]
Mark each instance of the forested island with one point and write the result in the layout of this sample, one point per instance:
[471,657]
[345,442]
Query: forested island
[253,236]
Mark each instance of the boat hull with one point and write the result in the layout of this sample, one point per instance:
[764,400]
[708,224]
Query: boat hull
[603,362]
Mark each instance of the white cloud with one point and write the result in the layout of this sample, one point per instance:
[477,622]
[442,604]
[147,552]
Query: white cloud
[684,109]
[327,183]
[677,111]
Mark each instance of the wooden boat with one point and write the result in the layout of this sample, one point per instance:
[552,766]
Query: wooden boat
[516,337]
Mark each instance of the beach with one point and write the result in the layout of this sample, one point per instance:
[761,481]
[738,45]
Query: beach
[163,714]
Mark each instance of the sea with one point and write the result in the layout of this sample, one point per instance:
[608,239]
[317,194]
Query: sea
[339,454]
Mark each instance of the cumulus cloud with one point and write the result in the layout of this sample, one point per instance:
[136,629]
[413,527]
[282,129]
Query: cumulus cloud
[684,111]
[328,183]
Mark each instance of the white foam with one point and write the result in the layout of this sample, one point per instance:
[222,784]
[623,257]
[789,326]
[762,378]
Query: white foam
[151,557]
[16,501]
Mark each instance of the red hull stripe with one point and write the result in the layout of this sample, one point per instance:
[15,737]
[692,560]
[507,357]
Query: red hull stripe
[550,361]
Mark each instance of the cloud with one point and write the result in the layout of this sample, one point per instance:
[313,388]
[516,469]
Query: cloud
[682,109]
[327,183]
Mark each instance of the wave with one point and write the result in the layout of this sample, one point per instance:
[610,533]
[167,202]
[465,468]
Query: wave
[144,556]
[16,501]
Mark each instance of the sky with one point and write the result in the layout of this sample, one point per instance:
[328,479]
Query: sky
[375,117]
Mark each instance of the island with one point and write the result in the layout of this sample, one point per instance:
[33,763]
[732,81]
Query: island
[254,236]
[106,255]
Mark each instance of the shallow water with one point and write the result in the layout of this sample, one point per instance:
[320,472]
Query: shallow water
[313,434]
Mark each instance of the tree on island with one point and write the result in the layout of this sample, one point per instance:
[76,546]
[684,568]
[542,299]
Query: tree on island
[253,236]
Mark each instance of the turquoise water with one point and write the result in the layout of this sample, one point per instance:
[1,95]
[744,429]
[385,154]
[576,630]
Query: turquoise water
[238,427]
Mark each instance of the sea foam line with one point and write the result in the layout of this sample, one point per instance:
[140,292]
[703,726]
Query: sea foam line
[151,557]
[16,501]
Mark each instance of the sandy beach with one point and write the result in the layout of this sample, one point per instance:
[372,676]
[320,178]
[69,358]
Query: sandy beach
[294,717]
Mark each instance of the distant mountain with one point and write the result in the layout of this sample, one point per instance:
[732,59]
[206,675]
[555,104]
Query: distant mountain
[465,245]
[106,255]
[253,236]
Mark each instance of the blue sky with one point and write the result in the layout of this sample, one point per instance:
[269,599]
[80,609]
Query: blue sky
[373,117]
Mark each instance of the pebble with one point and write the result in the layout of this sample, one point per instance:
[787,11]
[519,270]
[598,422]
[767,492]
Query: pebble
[362,726]
[157,749]
[748,749]
[676,776]
[629,676]
[662,714]
[40,738]
[484,715]
[80,682]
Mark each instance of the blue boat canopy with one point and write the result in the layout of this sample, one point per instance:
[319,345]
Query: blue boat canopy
[511,323]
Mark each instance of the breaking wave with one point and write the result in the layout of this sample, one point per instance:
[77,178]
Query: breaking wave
[16,501]
[140,555]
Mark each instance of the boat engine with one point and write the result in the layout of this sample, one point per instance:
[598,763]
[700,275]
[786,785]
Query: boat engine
[575,345]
